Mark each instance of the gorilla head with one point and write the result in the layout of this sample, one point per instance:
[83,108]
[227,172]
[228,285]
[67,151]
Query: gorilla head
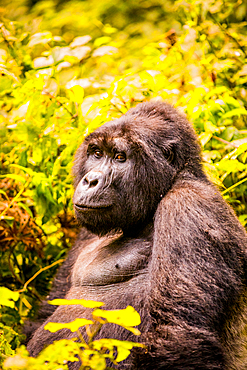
[126,166]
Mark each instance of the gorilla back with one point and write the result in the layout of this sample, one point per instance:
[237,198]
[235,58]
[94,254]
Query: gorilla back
[156,235]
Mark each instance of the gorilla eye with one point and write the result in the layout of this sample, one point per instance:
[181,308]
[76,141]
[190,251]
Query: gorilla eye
[98,153]
[120,157]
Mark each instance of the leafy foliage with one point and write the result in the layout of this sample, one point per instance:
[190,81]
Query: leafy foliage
[92,353]
[66,68]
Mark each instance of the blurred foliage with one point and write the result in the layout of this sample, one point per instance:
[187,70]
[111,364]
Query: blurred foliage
[66,68]
[93,354]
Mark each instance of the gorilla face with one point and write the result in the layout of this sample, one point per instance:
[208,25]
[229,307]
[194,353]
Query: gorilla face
[100,195]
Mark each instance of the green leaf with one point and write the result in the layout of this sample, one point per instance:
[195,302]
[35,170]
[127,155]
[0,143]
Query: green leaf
[16,177]
[37,155]
[204,138]
[25,169]
[235,112]
[231,165]
[211,128]
[26,208]
[5,347]
[228,133]
[243,219]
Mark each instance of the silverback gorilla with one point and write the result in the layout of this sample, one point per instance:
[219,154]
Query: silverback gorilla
[158,236]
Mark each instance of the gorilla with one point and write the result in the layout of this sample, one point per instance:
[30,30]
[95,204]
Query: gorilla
[157,235]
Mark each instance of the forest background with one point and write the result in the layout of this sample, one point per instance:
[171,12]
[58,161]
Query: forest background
[66,67]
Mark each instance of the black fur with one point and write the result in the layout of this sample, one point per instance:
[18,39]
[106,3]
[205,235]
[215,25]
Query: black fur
[158,237]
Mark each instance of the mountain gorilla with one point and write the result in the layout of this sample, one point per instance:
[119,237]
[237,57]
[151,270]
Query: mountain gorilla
[158,236]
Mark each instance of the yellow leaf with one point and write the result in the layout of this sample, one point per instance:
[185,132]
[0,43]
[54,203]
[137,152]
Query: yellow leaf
[127,317]
[210,127]
[7,297]
[133,330]
[102,40]
[17,178]
[72,326]
[123,353]
[82,302]
[76,94]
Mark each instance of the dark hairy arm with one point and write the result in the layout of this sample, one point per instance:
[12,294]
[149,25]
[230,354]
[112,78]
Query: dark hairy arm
[196,275]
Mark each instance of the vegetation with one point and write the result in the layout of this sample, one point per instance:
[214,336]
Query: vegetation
[66,68]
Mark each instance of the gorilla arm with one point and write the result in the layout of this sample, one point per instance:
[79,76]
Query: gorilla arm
[196,274]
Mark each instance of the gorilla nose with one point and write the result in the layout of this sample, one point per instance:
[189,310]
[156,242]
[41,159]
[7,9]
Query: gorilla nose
[92,179]
[90,185]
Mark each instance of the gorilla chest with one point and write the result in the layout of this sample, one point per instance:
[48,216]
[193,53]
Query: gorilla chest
[105,262]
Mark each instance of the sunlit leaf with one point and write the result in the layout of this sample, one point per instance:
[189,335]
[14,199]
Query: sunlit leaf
[16,177]
[82,302]
[204,138]
[105,50]
[76,94]
[101,41]
[81,52]
[235,112]
[210,127]
[72,326]
[232,165]
[4,71]
[60,352]
[40,38]
[242,146]
[127,318]
[80,40]
[25,169]
[7,297]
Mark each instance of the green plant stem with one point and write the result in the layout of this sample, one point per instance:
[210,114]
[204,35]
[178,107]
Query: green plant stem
[39,272]
[234,186]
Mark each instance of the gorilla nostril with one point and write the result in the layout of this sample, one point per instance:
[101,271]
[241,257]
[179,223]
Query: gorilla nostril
[85,181]
[93,183]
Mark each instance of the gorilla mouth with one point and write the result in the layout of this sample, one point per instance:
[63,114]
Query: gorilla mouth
[84,207]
